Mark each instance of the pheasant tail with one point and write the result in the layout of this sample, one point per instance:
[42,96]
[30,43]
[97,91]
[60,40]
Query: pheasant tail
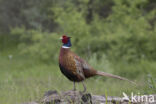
[113,76]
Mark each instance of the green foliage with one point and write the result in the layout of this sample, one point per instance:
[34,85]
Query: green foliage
[131,32]
[103,64]
[37,44]
[27,13]
[150,84]
[125,34]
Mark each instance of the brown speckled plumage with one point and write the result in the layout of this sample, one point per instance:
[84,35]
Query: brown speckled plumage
[74,64]
[75,68]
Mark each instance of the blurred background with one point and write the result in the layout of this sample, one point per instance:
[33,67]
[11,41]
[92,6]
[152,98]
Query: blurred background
[115,36]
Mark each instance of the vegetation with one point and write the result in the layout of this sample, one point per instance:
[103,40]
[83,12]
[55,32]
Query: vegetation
[114,36]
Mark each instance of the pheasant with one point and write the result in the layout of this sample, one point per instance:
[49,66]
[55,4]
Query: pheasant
[75,68]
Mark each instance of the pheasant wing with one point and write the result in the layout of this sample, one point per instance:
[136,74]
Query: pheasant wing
[88,71]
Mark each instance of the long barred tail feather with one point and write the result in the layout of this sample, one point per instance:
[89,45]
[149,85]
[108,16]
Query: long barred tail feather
[114,76]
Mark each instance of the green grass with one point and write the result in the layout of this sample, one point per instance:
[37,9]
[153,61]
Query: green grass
[23,79]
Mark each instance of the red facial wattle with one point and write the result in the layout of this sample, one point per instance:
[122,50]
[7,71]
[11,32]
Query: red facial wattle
[65,39]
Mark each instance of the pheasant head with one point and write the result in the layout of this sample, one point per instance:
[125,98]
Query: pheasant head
[66,41]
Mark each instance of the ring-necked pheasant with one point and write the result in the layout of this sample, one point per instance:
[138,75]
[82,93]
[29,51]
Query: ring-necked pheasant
[75,68]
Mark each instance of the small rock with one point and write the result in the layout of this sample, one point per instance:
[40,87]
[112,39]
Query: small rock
[48,93]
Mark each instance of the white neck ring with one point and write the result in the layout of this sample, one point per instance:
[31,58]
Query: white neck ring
[65,47]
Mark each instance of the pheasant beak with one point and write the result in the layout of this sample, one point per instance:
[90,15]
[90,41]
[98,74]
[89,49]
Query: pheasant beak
[60,38]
